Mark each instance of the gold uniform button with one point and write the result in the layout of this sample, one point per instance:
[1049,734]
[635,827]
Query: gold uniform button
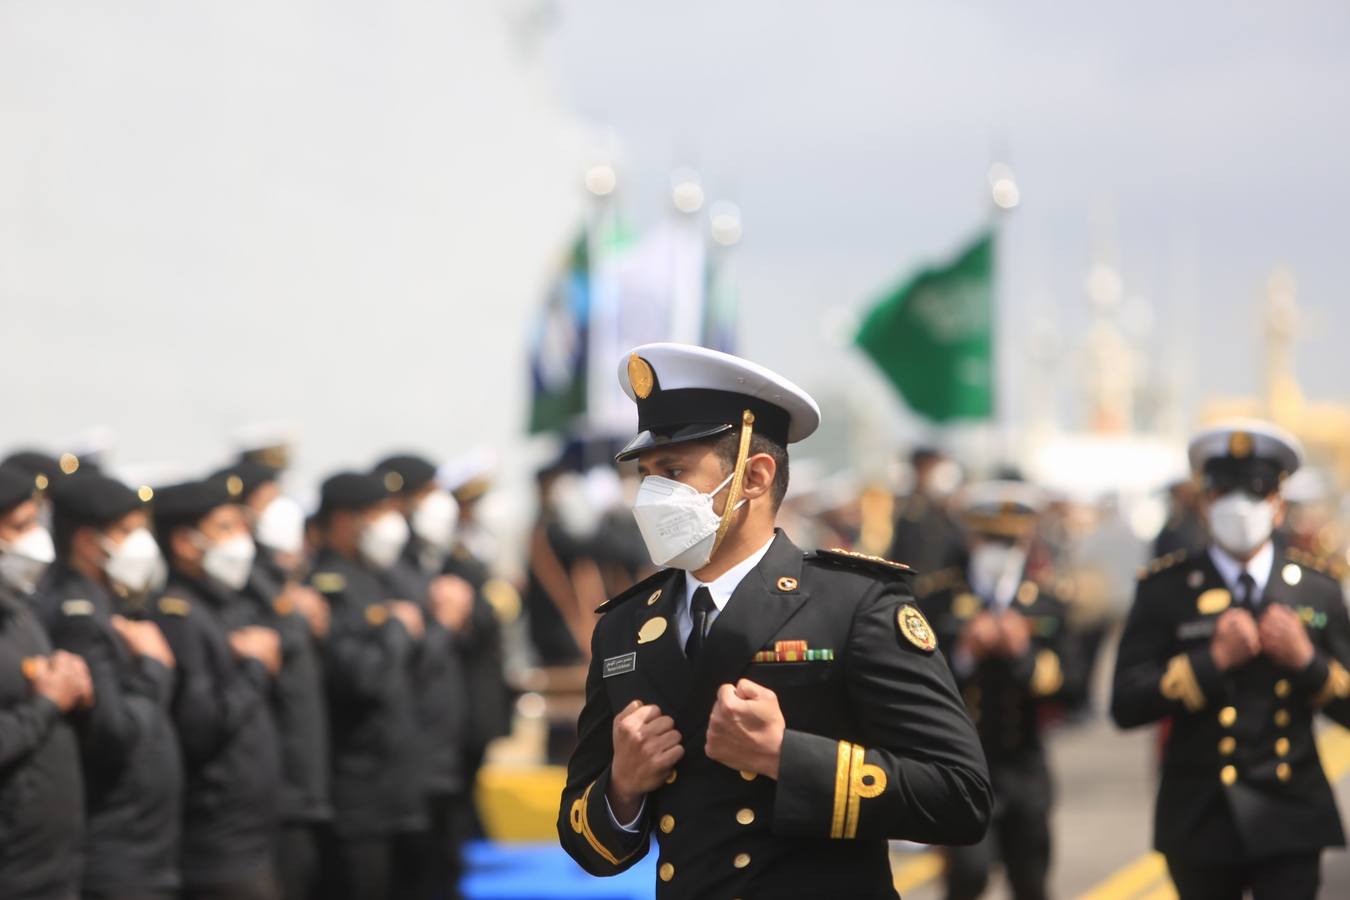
[1282,718]
[1228,745]
[1227,716]
[670,779]
[748,776]
[1282,747]
[745,816]
[666,872]
[741,861]
[667,824]
[1283,772]
[1282,688]
[1228,774]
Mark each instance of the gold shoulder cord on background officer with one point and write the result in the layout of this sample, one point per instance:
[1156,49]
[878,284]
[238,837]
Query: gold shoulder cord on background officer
[876,744]
[1239,646]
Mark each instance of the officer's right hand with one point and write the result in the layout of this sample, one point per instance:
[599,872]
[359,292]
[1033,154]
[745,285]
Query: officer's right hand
[410,615]
[257,642]
[980,636]
[1237,639]
[646,748]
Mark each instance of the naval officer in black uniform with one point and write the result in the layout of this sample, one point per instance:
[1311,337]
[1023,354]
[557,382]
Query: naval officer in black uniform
[1239,646]
[772,716]
[1006,640]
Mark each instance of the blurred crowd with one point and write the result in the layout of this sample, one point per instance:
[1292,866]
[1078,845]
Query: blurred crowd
[209,691]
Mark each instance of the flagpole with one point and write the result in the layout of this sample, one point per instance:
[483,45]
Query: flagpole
[1004,196]
[601,181]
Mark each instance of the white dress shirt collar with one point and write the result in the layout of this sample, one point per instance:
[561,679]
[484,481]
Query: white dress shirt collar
[721,588]
[1259,567]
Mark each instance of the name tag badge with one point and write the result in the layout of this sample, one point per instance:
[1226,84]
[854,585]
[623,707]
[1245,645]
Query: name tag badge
[1201,628]
[619,665]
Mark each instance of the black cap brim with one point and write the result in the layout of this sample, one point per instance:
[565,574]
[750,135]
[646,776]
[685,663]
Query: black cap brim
[650,440]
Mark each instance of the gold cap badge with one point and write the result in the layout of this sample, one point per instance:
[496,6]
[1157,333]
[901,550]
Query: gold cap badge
[1240,444]
[640,376]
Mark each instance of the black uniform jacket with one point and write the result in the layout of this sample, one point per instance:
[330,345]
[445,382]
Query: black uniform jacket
[369,662]
[296,699]
[1241,777]
[878,744]
[438,680]
[231,806]
[489,697]
[133,774]
[40,787]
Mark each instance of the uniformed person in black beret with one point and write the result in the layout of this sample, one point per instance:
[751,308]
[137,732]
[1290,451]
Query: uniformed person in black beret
[226,669]
[772,717]
[94,605]
[41,795]
[925,535]
[1239,647]
[370,659]
[431,861]
[275,599]
[1008,647]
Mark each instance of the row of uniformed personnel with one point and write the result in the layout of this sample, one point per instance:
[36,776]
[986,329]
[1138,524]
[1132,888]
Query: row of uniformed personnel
[194,703]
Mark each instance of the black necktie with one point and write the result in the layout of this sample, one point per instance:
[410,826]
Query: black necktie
[1247,592]
[700,611]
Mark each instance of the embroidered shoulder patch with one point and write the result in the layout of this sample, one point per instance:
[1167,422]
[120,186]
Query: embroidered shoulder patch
[77,608]
[174,606]
[915,629]
[329,582]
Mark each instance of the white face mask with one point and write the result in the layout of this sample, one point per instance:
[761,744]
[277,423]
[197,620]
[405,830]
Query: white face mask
[383,540]
[134,564]
[677,522]
[1240,523]
[991,563]
[281,526]
[230,561]
[23,562]
[434,520]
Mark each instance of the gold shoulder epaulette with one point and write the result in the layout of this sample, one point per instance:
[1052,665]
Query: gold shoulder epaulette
[1162,563]
[328,582]
[854,560]
[1309,561]
[174,606]
[639,589]
[931,582]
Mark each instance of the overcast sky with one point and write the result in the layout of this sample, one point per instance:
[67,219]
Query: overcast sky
[346,214]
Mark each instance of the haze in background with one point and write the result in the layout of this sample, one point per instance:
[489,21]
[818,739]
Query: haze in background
[205,206]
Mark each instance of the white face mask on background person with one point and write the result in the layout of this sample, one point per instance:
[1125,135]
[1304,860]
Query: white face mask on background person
[992,562]
[1241,523]
[24,561]
[135,564]
[230,561]
[383,540]
[281,526]
[677,522]
[435,519]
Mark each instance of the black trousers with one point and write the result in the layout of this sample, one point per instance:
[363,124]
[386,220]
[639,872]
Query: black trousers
[427,864]
[358,868]
[1292,877]
[257,887]
[1019,837]
[298,861]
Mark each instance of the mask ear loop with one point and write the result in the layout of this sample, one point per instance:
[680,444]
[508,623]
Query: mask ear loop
[737,479]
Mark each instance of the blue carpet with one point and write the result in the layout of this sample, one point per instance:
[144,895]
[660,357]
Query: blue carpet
[545,872]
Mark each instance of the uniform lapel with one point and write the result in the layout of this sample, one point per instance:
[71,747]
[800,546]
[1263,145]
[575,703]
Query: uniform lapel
[764,600]
[661,663]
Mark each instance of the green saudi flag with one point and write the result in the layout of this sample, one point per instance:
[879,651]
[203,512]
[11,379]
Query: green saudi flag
[933,336]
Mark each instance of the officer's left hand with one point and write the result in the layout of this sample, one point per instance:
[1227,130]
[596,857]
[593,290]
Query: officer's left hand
[1014,634]
[1284,639]
[745,730]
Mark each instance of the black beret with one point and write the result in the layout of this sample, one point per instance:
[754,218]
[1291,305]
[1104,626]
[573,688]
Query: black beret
[248,475]
[34,462]
[351,490]
[405,473]
[191,501]
[16,486]
[90,497]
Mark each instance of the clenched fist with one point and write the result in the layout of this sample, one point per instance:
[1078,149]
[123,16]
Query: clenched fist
[410,615]
[1236,640]
[1284,638]
[646,748]
[745,730]
[256,642]
[451,601]
[1014,634]
[63,678]
[981,636]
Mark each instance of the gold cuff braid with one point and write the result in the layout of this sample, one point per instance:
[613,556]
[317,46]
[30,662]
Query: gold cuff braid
[1179,683]
[855,780]
[1336,687]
